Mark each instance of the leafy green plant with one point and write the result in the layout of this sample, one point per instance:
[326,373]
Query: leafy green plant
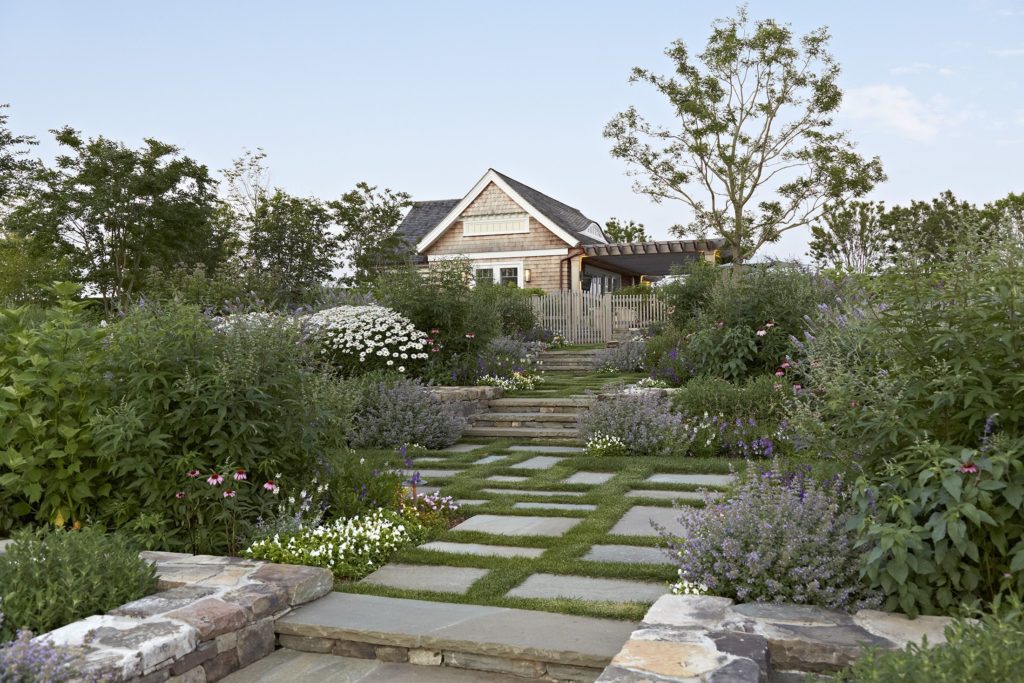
[50,393]
[762,398]
[52,578]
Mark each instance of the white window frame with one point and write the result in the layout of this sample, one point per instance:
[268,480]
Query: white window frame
[496,267]
[496,224]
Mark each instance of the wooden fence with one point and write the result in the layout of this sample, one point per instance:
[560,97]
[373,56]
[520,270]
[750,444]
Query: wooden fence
[584,318]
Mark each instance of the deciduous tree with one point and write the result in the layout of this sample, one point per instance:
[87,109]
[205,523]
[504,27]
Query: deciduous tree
[625,231]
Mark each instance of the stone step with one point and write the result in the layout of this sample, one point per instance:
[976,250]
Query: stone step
[575,369]
[571,352]
[522,432]
[533,417]
[521,642]
[541,404]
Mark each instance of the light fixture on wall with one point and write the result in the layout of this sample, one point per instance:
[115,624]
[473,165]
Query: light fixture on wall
[526,275]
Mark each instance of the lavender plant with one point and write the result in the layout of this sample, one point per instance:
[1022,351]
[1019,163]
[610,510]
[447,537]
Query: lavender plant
[24,660]
[627,357]
[403,411]
[782,537]
[643,421]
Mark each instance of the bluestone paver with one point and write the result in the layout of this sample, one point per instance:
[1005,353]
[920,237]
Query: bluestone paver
[462,448]
[505,479]
[426,577]
[554,506]
[541,462]
[586,588]
[488,459]
[637,521]
[685,496]
[471,501]
[525,493]
[693,479]
[591,478]
[482,549]
[548,449]
[632,554]
[428,474]
[514,525]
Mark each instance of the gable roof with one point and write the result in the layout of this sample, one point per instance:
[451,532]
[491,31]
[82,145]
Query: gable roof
[426,221]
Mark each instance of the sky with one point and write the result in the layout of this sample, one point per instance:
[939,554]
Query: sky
[424,97]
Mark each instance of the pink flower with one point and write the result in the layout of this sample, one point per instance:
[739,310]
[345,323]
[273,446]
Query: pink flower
[215,480]
[761,333]
[434,330]
[968,468]
[769,325]
[270,485]
[784,365]
[179,495]
[430,340]
[797,387]
[230,493]
[776,386]
[240,475]
[192,474]
[720,324]
[434,350]
[470,335]
[779,373]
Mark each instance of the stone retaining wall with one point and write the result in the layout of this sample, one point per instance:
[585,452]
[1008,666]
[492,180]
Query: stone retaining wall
[212,616]
[470,400]
[710,639]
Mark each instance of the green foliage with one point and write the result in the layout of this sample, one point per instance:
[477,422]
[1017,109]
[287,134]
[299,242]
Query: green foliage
[989,650]
[759,398]
[689,292]
[368,239]
[52,578]
[50,393]
[359,484]
[852,238]
[625,231]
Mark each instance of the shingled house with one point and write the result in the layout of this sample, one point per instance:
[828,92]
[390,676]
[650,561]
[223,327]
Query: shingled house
[513,234]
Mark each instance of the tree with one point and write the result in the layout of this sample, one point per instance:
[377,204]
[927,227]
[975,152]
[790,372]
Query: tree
[368,220]
[754,153]
[625,231]
[852,237]
[15,166]
[114,213]
[932,232]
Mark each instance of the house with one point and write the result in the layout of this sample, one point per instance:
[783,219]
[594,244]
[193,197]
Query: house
[513,234]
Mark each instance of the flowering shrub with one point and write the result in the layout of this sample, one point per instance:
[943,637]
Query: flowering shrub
[764,398]
[359,485]
[652,383]
[256,320]
[627,357]
[433,510]
[712,435]
[24,660]
[783,537]
[358,339]
[682,587]
[351,548]
[606,445]
[501,358]
[642,421]
[517,381]
[293,512]
[404,411]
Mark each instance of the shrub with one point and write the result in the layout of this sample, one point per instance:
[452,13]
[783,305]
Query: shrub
[25,660]
[717,435]
[403,411]
[992,650]
[603,445]
[50,393]
[516,382]
[360,339]
[643,421]
[502,357]
[665,360]
[52,578]
[350,547]
[761,398]
[782,537]
[359,484]
[626,357]
[432,510]
[688,294]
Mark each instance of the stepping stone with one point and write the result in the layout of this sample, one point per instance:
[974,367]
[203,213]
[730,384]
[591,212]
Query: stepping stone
[506,479]
[487,460]
[548,449]
[693,479]
[586,588]
[541,462]
[589,478]
[436,474]
[482,549]
[554,506]
[687,496]
[512,525]
[632,554]
[420,577]
[471,501]
[461,448]
[545,494]
[430,459]
[637,521]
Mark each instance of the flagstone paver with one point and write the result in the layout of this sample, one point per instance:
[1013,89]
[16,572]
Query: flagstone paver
[523,492]
[436,474]
[548,449]
[637,521]
[431,459]
[514,525]
[633,554]
[693,479]
[462,448]
[471,501]
[506,479]
[586,588]
[554,506]
[686,496]
[426,577]
[589,478]
[482,549]
[541,462]
[487,460]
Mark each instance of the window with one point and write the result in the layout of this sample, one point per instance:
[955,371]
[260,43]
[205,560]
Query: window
[484,275]
[510,224]
[499,273]
[509,276]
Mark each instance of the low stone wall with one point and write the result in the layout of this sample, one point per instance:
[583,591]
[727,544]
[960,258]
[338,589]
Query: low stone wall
[470,400]
[710,639]
[212,616]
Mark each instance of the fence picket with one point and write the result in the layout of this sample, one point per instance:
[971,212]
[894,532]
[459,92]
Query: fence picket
[585,318]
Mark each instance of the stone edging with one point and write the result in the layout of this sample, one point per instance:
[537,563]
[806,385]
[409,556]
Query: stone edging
[469,400]
[691,637]
[214,615]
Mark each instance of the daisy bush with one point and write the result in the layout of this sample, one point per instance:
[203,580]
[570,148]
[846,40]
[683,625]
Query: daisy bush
[359,339]
[350,547]
[606,445]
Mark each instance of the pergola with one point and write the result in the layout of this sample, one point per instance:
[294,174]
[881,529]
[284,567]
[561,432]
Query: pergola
[650,258]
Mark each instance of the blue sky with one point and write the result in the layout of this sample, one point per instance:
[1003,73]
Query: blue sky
[425,96]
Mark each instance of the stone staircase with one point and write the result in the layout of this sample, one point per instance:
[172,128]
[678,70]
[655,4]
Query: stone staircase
[530,418]
[580,360]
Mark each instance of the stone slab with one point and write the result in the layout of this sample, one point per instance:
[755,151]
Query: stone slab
[541,462]
[462,448]
[586,588]
[476,629]
[4,542]
[637,521]
[512,525]
[488,459]
[505,479]
[462,502]
[541,494]
[554,506]
[426,577]
[430,459]
[482,549]
[685,496]
[632,554]
[548,449]
[591,478]
[693,479]
[431,474]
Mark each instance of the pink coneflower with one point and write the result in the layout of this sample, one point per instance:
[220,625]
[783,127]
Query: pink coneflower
[761,333]
[780,373]
[434,350]
[968,468]
[192,474]
[240,475]
[784,365]
[270,485]
[470,335]
[230,493]
[179,495]
[215,480]
[434,330]
[797,387]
